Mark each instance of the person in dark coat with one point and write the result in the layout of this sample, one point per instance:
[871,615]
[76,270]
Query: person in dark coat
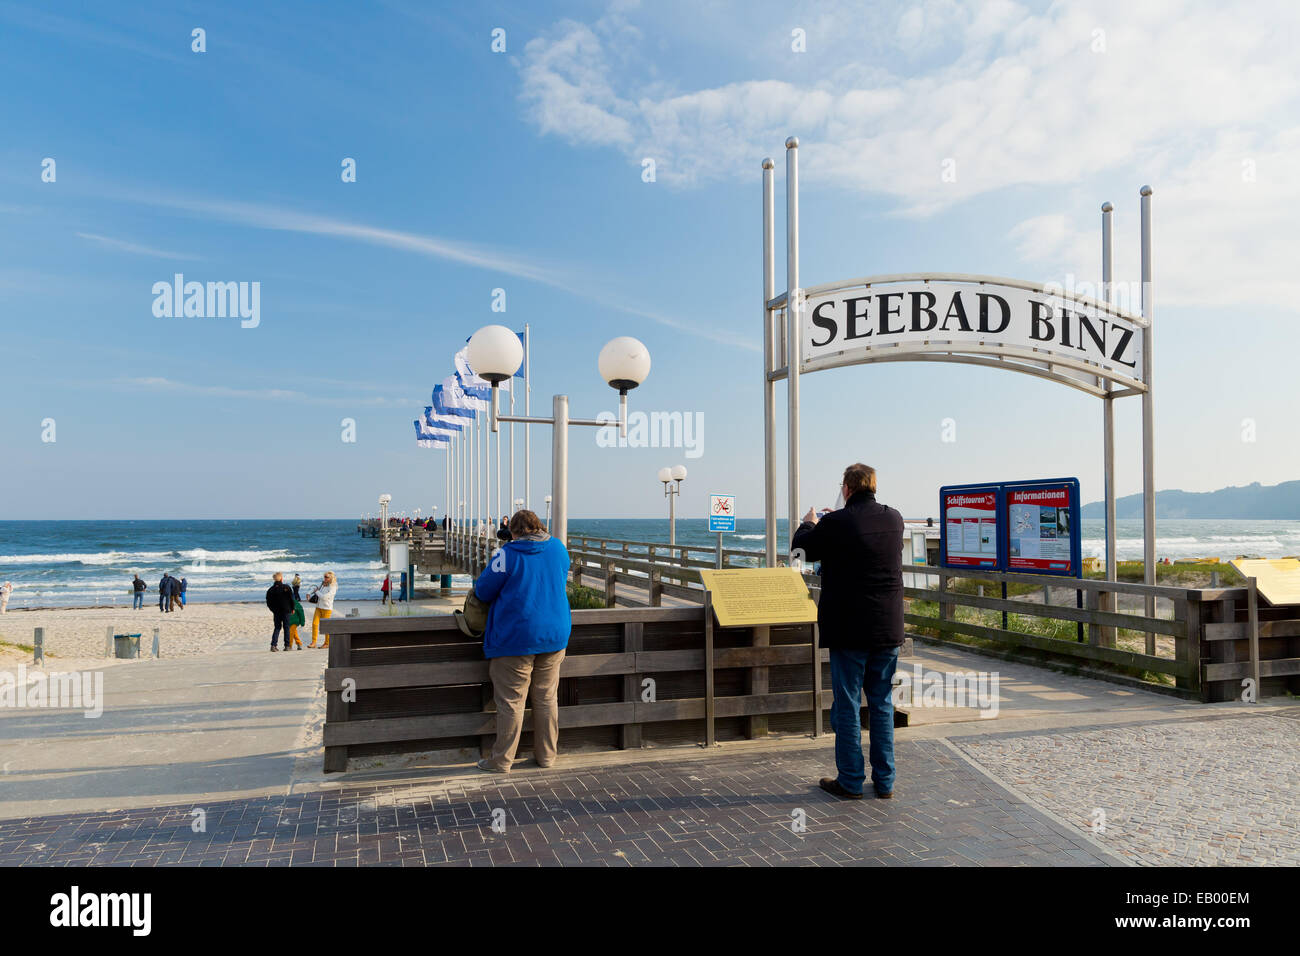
[503,531]
[860,619]
[279,598]
[165,592]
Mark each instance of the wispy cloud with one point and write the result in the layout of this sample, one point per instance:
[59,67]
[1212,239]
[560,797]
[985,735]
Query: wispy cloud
[256,394]
[123,245]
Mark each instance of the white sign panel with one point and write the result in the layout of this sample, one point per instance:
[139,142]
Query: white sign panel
[918,315]
[722,513]
[399,556]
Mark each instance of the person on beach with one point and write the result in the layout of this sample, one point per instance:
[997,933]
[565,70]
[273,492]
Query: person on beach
[138,587]
[297,583]
[181,589]
[279,599]
[6,589]
[860,618]
[296,620]
[386,590]
[165,593]
[175,592]
[323,597]
[527,633]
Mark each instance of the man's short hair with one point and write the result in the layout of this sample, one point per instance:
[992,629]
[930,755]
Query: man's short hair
[860,477]
[277,576]
[524,522]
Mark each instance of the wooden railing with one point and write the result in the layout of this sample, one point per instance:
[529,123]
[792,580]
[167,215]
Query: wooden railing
[631,677]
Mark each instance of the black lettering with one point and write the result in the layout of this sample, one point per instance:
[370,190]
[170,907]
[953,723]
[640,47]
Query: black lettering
[824,323]
[1065,327]
[886,312]
[928,309]
[851,318]
[1124,336]
[956,308]
[1037,320]
[1099,340]
[984,313]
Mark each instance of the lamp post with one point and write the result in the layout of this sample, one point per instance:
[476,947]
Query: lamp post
[548,513]
[495,354]
[668,476]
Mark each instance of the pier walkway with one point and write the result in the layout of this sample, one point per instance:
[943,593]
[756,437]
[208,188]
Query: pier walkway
[236,734]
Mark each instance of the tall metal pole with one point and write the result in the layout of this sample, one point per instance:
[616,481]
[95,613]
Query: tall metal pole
[528,410]
[560,469]
[769,357]
[672,518]
[1148,421]
[1108,402]
[511,509]
[793,324]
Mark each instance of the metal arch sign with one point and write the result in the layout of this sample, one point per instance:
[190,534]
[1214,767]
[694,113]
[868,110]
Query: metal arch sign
[1007,323]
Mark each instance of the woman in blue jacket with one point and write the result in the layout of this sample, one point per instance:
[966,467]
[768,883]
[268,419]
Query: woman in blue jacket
[525,584]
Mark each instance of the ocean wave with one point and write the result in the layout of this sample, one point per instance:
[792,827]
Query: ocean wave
[101,558]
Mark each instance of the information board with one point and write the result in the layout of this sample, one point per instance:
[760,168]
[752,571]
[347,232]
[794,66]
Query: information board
[722,513]
[970,536]
[1043,527]
[745,597]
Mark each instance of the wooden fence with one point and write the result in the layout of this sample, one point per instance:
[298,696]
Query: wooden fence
[398,685]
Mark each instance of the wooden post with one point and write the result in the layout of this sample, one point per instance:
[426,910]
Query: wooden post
[38,646]
[944,608]
[710,735]
[629,735]
[336,708]
[1106,601]
[656,588]
[1252,611]
[756,682]
[816,680]
[1188,649]
[611,597]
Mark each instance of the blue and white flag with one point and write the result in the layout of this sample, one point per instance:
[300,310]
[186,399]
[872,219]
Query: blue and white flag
[473,385]
[427,438]
[523,366]
[442,423]
[449,400]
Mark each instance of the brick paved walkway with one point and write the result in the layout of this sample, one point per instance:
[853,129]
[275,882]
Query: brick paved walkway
[1207,792]
[717,809]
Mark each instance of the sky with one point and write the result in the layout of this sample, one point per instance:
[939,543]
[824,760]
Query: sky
[934,137]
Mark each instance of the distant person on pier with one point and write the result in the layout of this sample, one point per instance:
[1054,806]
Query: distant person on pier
[323,597]
[860,618]
[503,532]
[6,589]
[138,587]
[279,599]
[527,632]
[444,523]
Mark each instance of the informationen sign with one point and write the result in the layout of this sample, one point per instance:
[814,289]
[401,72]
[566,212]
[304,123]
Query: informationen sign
[1042,527]
[722,513]
[969,536]
[744,597]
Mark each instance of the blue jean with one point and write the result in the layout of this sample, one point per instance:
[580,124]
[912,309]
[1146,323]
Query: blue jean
[138,602]
[281,624]
[853,672]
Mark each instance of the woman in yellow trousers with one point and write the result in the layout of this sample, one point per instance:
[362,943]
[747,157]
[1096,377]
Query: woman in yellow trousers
[324,601]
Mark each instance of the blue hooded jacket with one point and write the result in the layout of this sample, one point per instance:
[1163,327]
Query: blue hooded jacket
[526,583]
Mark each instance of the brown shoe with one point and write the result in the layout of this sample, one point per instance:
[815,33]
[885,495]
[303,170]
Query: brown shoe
[832,786]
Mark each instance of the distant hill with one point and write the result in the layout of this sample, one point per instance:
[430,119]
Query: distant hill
[1253,501]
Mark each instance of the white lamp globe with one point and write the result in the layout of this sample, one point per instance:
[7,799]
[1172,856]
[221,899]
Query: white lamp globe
[679,473]
[624,363]
[547,499]
[495,353]
[665,475]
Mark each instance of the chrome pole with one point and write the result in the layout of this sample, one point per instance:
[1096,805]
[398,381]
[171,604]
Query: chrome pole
[769,357]
[560,469]
[1108,402]
[1148,421]
[792,322]
[528,411]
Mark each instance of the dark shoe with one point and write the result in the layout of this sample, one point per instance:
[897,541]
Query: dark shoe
[274,648]
[885,796]
[487,767]
[832,786]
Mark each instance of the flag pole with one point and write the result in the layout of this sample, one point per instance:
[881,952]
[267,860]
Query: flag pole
[528,411]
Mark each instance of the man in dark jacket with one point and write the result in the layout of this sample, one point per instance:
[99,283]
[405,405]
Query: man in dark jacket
[137,590]
[279,598]
[165,592]
[860,618]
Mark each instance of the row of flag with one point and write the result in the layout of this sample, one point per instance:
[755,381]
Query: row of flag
[456,401]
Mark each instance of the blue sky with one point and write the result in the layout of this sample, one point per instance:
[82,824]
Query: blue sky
[522,170]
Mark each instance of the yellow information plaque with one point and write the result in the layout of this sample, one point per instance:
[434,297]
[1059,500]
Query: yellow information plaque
[1278,579]
[743,597]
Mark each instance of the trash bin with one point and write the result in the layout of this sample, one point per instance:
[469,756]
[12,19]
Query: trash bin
[126,645]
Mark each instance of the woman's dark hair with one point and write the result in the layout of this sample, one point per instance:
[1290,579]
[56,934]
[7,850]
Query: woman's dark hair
[860,477]
[525,522]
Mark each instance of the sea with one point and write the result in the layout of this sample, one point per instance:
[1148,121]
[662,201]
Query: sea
[90,563]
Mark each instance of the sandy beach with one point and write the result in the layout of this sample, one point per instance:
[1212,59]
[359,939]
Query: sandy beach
[74,636]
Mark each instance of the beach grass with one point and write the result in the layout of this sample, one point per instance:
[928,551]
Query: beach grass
[583,598]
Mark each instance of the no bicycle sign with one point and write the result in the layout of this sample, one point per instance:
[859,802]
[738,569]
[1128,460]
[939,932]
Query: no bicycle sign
[722,513]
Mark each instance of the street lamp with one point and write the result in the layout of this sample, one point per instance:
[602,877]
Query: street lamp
[495,354]
[547,499]
[668,476]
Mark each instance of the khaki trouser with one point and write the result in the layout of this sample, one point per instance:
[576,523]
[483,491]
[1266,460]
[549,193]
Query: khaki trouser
[536,677]
[320,615]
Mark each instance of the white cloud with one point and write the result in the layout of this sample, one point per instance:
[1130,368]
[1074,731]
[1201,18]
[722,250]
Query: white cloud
[124,246]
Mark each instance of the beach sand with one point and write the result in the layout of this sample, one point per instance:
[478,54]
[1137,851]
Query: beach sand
[76,636]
